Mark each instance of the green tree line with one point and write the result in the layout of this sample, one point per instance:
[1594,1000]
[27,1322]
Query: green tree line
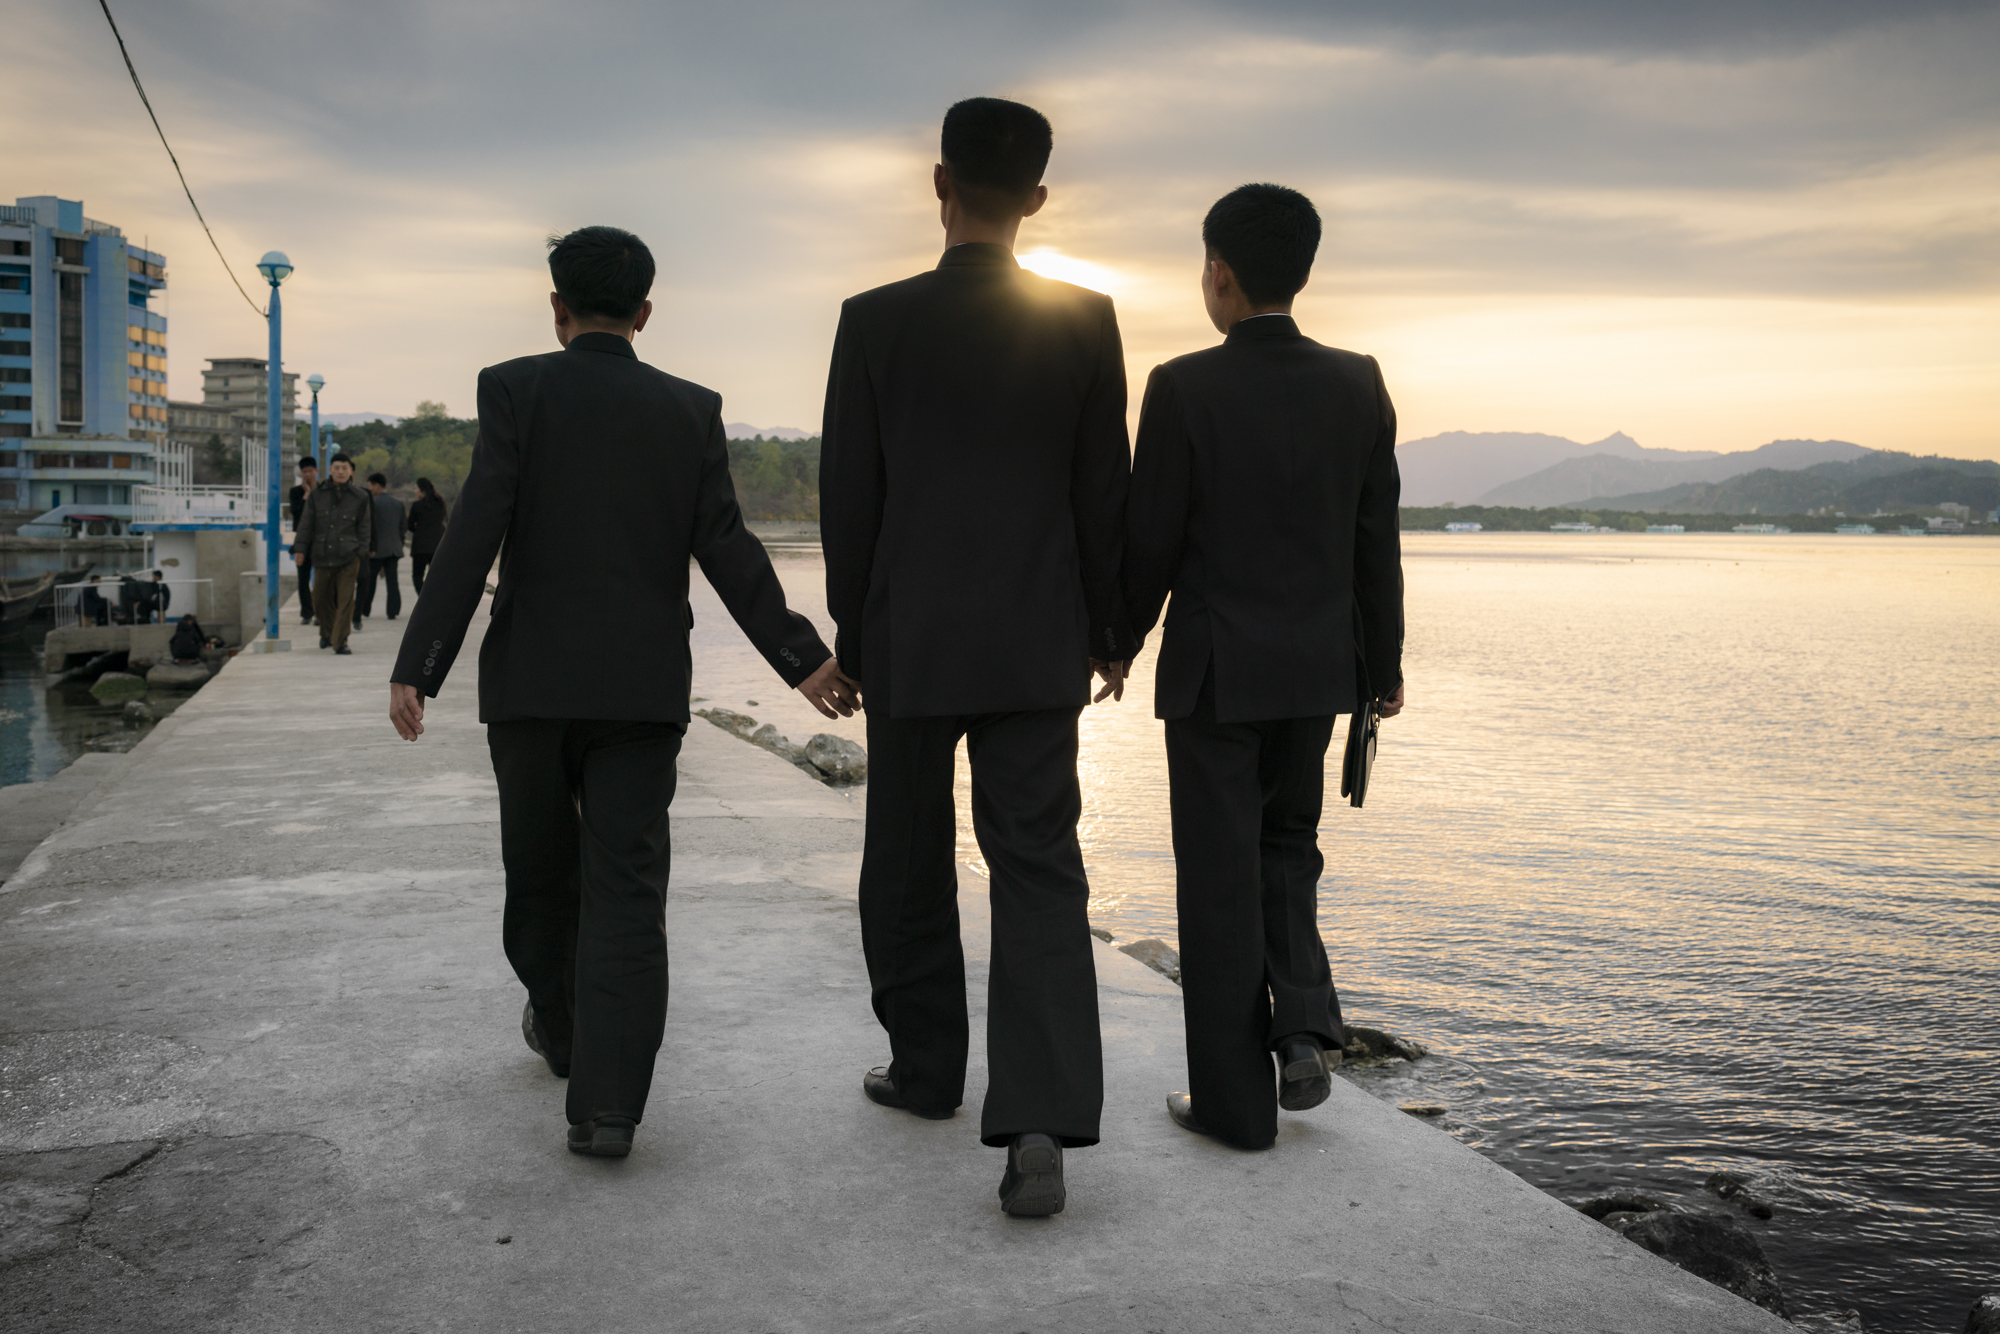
[775,479]
[432,444]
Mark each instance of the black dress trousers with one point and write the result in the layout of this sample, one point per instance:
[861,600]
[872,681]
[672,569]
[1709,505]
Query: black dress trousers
[583,834]
[1044,1057]
[1246,808]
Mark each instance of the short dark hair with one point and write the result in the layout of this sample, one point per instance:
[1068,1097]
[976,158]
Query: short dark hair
[424,485]
[997,151]
[1268,235]
[342,457]
[309,462]
[378,479]
[601,271]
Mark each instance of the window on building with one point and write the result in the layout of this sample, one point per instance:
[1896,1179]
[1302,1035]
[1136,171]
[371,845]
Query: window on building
[10,283]
[69,344]
[69,252]
[13,320]
[14,375]
[91,460]
[16,248]
[13,429]
[135,386]
[92,493]
[9,459]
[52,461]
[11,349]
[16,403]
[121,460]
[10,492]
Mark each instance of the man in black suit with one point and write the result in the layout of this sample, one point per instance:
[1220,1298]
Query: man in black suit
[973,469]
[1264,494]
[583,743]
[308,479]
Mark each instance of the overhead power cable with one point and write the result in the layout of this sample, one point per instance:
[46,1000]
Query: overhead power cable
[105,5]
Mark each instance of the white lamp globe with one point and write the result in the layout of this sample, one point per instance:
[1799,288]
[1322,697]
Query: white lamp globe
[275,267]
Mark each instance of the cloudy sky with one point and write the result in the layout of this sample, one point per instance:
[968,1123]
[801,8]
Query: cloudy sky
[1707,224]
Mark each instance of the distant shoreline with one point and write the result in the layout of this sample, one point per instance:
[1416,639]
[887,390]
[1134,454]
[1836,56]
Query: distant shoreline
[1509,519]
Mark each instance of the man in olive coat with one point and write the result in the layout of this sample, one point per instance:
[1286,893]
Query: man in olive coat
[334,536]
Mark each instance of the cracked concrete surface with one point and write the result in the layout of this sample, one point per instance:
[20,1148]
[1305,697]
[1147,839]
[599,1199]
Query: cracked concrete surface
[262,1070]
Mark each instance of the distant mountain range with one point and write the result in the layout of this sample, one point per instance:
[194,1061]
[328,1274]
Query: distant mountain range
[1573,481]
[1879,481]
[1462,466]
[1617,473]
[352,418]
[745,431]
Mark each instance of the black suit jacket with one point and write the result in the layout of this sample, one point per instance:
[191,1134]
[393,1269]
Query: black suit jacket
[973,468]
[1264,493]
[602,476]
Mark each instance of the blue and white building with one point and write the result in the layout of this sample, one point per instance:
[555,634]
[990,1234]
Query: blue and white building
[83,369]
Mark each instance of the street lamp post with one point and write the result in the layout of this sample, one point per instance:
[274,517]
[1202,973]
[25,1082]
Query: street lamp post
[275,268]
[316,382]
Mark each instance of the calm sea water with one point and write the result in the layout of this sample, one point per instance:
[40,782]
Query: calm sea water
[42,730]
[1684,857]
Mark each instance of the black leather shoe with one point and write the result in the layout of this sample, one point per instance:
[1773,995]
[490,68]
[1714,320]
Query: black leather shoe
[605,1137]
[324,642]
[1032,1186]
[530,1030]
[882,1089]
[343,651]
[1181,1108]
[1305,1076]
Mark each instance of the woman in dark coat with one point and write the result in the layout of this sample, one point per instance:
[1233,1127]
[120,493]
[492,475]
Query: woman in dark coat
[427,519]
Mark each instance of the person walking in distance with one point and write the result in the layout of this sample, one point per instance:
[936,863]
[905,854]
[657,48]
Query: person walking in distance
[1264,493]
[585,760]
[334,536]
[973,470]
[308,479]
[427,520]
[391,523]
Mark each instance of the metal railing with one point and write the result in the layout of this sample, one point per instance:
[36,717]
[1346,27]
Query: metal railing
[184,596]
[218,506]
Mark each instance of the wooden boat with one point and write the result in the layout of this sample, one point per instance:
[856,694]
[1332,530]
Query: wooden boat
[22,598]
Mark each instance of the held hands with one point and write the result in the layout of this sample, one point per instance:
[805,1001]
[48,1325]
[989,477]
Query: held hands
[832,692]
[1114,674]
[1393,705]
[406,711]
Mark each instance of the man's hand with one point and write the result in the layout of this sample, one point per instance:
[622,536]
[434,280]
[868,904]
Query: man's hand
[298,558]
[1114,674]
[406,710]
[1393,705]
[831,692]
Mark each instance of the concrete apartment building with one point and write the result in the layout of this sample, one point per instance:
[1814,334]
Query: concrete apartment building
[83,367]
[233,406]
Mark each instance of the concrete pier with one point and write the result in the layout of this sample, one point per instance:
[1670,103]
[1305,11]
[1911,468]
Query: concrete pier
[262,1070]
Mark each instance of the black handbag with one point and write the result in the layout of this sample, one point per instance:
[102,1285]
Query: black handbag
[1362,730]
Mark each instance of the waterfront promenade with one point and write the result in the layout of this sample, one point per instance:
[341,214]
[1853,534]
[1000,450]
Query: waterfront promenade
[263,1071]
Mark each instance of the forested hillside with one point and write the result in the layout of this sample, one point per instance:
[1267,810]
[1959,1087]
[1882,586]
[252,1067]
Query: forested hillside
[775,479]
